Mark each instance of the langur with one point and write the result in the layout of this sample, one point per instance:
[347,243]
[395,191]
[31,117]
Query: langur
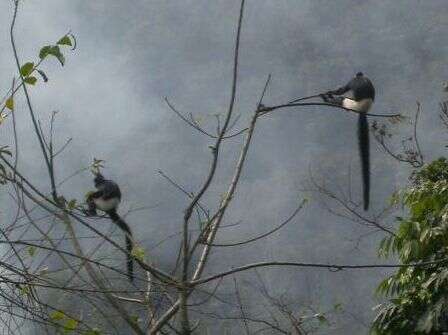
[361,100]
[107,198]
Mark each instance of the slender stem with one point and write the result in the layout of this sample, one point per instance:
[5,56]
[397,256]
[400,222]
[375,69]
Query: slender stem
[333,267]
[28,101]
[266,110]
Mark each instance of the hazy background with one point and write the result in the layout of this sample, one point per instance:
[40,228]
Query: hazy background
[132,54]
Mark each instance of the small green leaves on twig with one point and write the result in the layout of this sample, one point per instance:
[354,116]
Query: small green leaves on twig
[10,103]
[31,250]
[70,325]
[31,80]
[67,324]
[96,165]
[68,40]
[57,315]
[25,290]
[55,50]
[65,41]
[26,69]
[138,252]
[71,205]
[52,50]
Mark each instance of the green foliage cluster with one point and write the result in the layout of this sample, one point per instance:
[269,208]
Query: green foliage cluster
[418,296]
[29,69]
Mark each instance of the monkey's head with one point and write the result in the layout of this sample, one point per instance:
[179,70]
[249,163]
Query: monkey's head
[99,179]
[359,74]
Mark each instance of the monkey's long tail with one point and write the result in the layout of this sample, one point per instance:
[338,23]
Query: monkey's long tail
[129,244]
[363,137]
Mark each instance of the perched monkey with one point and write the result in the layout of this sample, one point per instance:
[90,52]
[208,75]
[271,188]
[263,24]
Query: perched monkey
[361,100]
[107,198]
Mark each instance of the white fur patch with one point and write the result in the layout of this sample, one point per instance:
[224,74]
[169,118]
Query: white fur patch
[359,106]
[106,205]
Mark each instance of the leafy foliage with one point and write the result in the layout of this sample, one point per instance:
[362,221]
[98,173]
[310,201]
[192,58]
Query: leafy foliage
[96,165]
[26,69]
[138,253]
[67,324]
[65,41]
[52,50]
[30,80]
[418,296]
[10,103]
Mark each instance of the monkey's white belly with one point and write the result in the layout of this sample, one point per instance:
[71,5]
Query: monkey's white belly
[106,205]
[359,106]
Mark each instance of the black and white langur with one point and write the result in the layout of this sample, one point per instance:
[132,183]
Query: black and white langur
[362,95]
[107,198]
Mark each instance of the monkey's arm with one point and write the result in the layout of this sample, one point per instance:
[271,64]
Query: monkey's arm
[340,90]
[329,98]
[91,208]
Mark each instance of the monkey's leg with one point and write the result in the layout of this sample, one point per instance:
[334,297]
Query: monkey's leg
[363,138]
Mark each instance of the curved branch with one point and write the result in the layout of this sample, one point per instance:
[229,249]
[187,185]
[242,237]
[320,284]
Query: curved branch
[333,267]
[280,226]
[192,123]
[266,110]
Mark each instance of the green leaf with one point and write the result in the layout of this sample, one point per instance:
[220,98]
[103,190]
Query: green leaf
[65,41]
[57,315]
[45,51]
[135,318]
[25,290]
[138,253]
[26,69]
[10,103]
[30,80]
[93,331]
[31,250]
[71,204]
[70,325]
[52,50]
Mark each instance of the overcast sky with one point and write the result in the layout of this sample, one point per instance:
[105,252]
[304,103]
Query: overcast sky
[131,54]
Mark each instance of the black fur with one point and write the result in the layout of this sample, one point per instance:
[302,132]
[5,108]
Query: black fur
[364,152]
[107,189]
[129,245]
[361,88]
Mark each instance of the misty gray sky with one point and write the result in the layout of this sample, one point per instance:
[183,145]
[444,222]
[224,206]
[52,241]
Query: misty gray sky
[132,54]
